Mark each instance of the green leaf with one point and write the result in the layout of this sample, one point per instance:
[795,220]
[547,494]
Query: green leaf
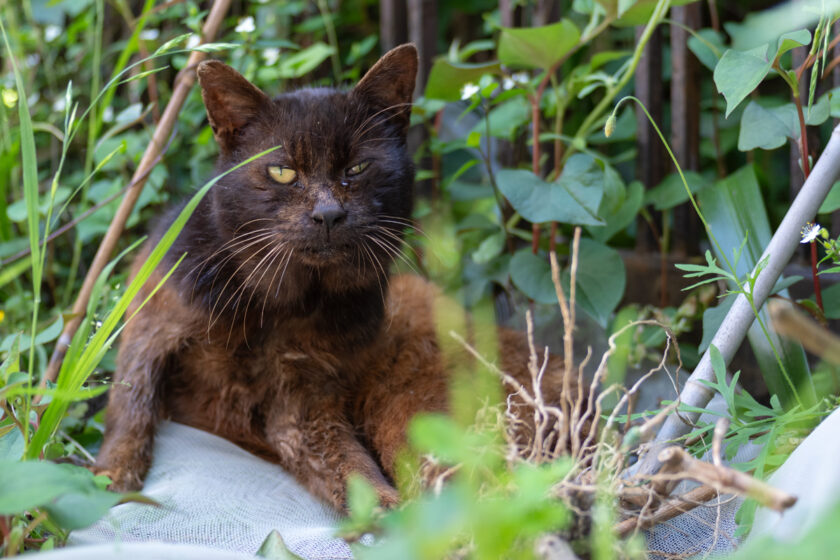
[361,498]
[831,301]
[832,201]
[574,198]
[447,78]
[615,222]
[790,41]
[69,493]
[490,248]
[274,548]
[506,118]
[671,191]
[532,275]
[738,73]
[537,47]
[438,435]
[305,61]
[707,45]
[601,279]
[11,444]
[766,128]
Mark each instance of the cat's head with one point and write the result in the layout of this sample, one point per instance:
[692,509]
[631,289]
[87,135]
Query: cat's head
[337,193]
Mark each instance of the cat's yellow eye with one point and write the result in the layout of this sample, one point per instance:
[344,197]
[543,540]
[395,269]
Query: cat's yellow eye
[283,175]
[358,168]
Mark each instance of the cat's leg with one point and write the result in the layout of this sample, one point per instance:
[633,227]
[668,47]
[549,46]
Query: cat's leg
[135,402]
[317,444]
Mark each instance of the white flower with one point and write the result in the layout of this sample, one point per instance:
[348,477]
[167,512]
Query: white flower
[520,77]
[51,32]
[468,90]
[508,83]
[246,25]
[108,114]
[32,60]
[193,41]
[59,104]
[810,231]
[271,55]
[149,34]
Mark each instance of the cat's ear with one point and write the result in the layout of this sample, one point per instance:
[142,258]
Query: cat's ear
[231,100]
[390,83]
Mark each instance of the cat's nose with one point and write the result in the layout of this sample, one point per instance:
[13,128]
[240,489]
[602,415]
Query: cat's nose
[329,214]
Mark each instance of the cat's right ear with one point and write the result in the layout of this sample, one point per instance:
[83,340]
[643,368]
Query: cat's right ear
[231,101]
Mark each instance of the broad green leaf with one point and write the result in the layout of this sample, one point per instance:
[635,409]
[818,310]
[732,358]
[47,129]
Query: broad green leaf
[490,248]
[765,128]
[601,279]
[790,41]
[616,221]
[738,73]
[707,45]
[361,497]
[537,47]
[447,78]
[11,443]
[439,435]
[69,493]
[723,205]
[831,301]
[305,61]
[832,201]
[47,335]
[506,118]
[671,191]
[574,198]
[769,128]
[274,548]
[532,275]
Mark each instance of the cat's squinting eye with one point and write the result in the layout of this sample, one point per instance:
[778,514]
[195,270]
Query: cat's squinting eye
[358,168]
[283,175]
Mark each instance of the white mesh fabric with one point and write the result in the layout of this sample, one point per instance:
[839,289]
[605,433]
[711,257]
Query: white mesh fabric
[217,495]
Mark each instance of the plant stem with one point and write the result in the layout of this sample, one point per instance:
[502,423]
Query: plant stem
[593,117]
[332,38]
[817,287]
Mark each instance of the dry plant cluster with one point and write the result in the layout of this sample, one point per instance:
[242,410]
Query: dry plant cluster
[602,451]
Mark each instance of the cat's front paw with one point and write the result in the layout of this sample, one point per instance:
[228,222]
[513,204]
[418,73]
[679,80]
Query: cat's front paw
[123,479]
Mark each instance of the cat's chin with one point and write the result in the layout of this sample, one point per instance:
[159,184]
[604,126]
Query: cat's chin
[325,256]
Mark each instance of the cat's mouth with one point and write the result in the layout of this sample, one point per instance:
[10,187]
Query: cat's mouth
[326,254]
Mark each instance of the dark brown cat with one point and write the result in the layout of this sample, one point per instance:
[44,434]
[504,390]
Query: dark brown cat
[281,330]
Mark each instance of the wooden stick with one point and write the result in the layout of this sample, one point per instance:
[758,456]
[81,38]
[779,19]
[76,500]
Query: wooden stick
[686,503]
[183,84]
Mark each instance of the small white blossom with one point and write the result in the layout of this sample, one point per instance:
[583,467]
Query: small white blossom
[59,104]
[51,32]
[32,60]
[246,25]
[33,99]
[508,83]
[271,55]
[149,34]
[469,90]
[520,77]
[810,231]
[108,114]
[193,41]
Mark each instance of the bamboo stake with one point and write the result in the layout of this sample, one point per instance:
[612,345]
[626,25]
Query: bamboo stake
[732,331]
[183,84]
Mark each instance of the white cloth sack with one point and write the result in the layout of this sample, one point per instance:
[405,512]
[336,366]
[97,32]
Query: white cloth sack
[214,494]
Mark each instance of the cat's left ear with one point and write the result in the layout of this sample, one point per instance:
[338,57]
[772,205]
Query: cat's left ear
[390,83]
[231,101]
